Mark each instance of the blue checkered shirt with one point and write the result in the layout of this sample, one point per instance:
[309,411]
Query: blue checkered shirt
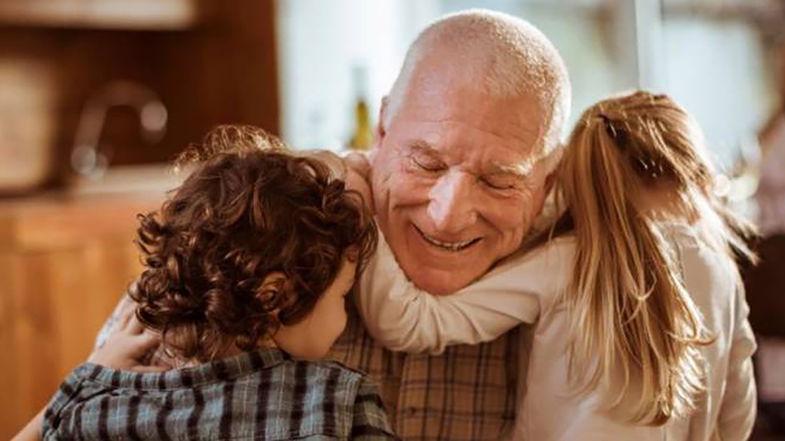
[260,395]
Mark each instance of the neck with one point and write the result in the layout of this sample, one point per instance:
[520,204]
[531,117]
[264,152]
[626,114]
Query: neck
[228,350]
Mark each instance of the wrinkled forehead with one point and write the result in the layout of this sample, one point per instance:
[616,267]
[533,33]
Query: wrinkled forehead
[461,119]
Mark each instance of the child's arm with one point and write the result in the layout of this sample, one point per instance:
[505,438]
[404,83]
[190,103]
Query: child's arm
[358,177]
[403,317]
[353,169]
[123,305]
[737,411]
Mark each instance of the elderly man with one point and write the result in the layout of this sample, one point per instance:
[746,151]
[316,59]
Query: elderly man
[459,172]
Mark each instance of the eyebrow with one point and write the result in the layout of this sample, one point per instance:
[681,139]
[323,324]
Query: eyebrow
[521,170]
[422,146]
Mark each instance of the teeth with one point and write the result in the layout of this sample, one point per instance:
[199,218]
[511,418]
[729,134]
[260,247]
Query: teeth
[452,246]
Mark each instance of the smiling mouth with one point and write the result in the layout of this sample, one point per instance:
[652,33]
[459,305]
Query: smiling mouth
[448,246]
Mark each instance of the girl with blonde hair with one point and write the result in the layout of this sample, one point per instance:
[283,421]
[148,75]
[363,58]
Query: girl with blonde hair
[639,317]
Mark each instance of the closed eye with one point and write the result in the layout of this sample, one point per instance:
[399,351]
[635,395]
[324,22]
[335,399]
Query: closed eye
[502,182]
[428,164]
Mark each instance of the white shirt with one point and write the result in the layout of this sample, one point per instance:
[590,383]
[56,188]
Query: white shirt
[525,290]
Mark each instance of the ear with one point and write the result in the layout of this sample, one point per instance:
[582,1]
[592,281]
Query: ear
[551,164]
[352,254]
[383,109]
[381,129]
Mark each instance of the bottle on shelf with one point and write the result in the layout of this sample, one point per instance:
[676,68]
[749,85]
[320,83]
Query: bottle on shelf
[362,136]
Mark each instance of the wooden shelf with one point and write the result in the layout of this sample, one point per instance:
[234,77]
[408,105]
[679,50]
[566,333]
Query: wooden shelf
[154,15]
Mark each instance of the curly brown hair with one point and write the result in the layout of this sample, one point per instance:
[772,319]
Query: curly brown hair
[249,208]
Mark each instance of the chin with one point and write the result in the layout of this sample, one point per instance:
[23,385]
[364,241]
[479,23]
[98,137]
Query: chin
[447,278]
[440,283]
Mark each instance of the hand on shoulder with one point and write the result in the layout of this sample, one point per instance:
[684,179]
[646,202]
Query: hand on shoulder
[127,345]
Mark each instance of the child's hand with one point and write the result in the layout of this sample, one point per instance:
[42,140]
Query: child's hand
[358,177]
[358,163]
[353,168]
[128,343]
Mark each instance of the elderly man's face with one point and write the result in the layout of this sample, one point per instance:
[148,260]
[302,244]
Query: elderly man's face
[456,181]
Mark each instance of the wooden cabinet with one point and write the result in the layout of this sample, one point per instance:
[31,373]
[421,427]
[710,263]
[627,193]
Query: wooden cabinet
[64,263]
[208,62]
[103,14]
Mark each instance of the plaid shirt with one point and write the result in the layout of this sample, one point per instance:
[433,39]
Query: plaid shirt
[260,395]
[468,393]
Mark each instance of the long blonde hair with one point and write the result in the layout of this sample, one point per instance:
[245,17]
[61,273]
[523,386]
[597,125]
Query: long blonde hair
[628,308]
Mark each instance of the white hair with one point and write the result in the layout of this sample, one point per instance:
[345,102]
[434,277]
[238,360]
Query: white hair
[504,56]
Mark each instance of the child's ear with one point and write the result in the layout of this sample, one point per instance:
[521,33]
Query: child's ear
[352,253]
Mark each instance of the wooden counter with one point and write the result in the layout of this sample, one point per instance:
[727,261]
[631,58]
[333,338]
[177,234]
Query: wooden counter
[64,262]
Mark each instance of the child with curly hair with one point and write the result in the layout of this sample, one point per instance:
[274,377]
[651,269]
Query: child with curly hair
[246,269]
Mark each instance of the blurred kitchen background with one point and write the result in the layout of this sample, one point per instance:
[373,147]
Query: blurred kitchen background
[96,96]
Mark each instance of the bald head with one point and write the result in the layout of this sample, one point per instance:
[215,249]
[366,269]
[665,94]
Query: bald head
[496,54]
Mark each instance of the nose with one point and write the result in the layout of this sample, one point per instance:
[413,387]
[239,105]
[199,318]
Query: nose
[451,206]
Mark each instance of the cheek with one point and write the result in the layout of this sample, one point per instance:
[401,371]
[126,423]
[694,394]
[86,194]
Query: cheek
[519,211]
[506,215]
[411,188]
[402,190]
